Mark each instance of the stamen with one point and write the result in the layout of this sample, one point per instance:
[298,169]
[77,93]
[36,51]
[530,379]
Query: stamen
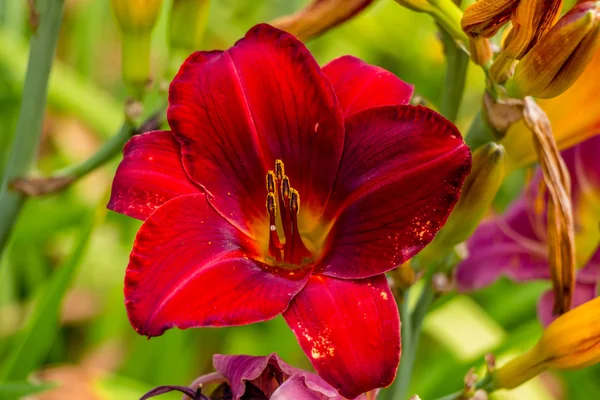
[284,201]
[295,250]
[274,242]
[270,182]
[295,202]
[280,191]
[279,170]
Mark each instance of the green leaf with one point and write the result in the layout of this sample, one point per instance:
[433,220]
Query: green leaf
[18,389]
[35,341]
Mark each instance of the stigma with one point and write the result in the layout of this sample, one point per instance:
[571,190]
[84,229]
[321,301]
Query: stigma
[283,205]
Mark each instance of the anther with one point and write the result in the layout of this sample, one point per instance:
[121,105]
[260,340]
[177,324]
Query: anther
[271,205]
[294,202]
[270,182]
[285,189]
[279,170]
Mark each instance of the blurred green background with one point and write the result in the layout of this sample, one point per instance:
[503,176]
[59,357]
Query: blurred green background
[67,255]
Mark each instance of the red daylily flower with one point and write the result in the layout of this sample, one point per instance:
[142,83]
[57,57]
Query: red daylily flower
[286,188]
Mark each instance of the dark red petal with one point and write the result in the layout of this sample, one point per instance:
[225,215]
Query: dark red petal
[400,176]
[359,86]
[350,331]
[150,174]
[236,112]
[189,267]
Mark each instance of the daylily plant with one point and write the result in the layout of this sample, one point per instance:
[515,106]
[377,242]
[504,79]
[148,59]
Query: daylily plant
[514,244]
[257,378]
[284,188]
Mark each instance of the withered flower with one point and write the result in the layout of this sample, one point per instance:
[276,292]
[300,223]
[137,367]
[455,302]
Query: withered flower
[559,58]
[486,17]
[530,21]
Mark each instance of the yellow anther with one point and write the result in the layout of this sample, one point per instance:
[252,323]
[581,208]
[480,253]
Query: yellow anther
[294,201]
[271,182]
[271,204]
[285,188]
[279,169]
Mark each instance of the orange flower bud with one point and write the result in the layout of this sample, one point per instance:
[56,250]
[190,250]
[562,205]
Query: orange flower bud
[572,341]
[486,17]
[557,60]
[319,16]
[481,50]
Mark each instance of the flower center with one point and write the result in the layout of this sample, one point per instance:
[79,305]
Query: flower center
[283,205]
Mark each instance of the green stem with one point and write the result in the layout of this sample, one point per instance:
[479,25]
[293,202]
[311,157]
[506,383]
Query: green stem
[457,62]
[412,324]
[65,177]
[448,15]
[485,384]
[405,368]
[31,115]
[108,150]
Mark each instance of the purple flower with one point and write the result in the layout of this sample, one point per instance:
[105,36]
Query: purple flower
[514,244]
[244,377]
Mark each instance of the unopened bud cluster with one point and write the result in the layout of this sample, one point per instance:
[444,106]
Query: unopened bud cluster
[541,55]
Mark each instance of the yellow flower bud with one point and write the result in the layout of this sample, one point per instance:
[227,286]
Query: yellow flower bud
[478,191]
[186,29]
[136,19]
[486,17]
[572,341]
[557,60]
[188,23]
[136,15]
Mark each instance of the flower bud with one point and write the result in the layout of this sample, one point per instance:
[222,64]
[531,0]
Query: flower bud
[136,19]
[530,21]
[136,15]
[477,194]
[481,50]
[187,26]
[486,17]
[319,16]
[570,342]
[556,61]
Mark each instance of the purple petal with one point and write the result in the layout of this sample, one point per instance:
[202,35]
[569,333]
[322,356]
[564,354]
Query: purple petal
[295,388]
[510,245]
[584,292]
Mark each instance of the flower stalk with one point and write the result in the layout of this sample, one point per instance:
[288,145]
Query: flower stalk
[31,115]
[445,12]
[60,180]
